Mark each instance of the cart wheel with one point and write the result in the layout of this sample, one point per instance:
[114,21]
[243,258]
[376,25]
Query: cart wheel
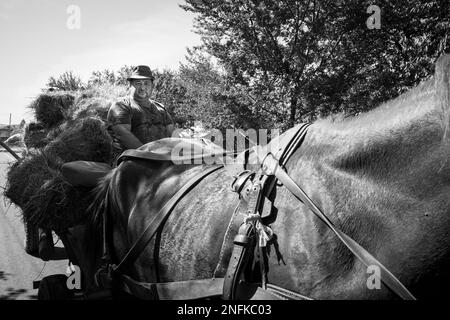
[54,288]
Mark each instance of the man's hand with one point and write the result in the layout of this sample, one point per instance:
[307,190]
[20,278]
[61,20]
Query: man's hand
[126,138]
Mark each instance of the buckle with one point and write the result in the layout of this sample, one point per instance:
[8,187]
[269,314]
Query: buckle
[239,181]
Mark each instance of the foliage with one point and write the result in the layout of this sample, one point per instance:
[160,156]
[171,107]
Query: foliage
[102,77]
[170,92]
[209,96]
[110,77]
[66,81]
[302,59]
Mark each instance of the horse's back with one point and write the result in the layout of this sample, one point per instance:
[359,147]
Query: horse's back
[189,244]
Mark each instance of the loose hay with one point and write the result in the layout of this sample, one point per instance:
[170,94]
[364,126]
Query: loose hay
[86,139]
[51,109]
[24,176]
[36,185]
[70,127]
[96,101]
[35,135]
[93,107]
[57,204]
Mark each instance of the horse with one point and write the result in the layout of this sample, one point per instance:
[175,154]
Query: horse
[382,177]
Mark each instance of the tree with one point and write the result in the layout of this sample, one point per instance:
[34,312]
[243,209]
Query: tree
[302,59]
[102,77]
[66,81]
[169,91]
[379,64]
[210,97]
[123,73]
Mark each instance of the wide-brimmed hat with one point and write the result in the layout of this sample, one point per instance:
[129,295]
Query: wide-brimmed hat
[141,72]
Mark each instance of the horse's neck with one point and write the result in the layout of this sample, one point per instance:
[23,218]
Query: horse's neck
[389,138]
[379,183]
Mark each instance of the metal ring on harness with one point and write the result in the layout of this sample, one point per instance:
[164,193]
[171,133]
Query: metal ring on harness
[239,181]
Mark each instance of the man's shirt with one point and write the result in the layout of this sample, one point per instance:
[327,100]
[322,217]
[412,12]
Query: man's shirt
[148,120]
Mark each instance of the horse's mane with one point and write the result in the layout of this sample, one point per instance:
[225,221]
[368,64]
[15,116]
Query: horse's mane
[431,96]
[377,145]
[99,202]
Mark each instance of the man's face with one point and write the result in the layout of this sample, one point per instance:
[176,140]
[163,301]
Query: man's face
[142,88]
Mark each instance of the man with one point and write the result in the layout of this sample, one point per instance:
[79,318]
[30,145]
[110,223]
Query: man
[136,120]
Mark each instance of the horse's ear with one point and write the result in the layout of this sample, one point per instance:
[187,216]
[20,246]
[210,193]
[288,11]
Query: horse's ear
[442,88]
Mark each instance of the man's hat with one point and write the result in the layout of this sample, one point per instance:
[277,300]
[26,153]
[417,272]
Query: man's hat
[141,72]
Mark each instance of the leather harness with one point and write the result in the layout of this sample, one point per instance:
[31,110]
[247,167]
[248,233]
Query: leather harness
[252,236]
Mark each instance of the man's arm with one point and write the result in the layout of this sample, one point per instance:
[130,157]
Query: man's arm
[119,119]
[126,138]
[170,124]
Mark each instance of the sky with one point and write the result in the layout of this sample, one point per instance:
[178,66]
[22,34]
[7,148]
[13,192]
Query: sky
[43,38]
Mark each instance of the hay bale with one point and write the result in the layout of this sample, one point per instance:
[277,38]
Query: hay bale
[36,185]
[86,139]
[35,135]
[95,102]
[24,177]
[57,204]
[92,107]
[51,109]
[66,130]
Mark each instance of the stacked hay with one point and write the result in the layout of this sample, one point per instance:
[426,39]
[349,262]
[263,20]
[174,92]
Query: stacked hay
[36,185]
[69,127]
[34,135]
[56,111]
[85,139]
[92,107]
[95,102]
[52,108]
[46,199]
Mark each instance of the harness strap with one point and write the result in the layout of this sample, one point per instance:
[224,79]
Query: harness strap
[158,219]
[254,198]
[293,143]
[179,290]
[271,167]
[243,243]
[285,293]
[276,293]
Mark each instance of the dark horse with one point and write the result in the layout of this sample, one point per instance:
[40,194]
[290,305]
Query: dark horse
[383,177]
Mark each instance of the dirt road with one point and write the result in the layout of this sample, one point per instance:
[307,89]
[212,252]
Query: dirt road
[18,270]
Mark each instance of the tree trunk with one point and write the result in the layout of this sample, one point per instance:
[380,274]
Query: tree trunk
[294,101]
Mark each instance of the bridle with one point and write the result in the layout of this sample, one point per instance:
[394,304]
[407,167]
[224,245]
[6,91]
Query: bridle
[271,171]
